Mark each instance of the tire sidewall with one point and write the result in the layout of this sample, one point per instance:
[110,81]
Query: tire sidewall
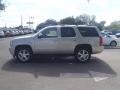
[76,53]
[28,49]
[113,42]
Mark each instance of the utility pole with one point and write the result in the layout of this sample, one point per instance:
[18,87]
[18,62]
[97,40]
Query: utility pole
[30,22]
[21,21]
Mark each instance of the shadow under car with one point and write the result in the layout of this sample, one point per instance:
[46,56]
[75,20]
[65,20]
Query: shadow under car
[55,67]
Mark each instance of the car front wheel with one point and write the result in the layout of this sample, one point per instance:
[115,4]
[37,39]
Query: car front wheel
[24,54]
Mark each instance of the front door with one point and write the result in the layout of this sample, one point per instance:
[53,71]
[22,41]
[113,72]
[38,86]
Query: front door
[47,42]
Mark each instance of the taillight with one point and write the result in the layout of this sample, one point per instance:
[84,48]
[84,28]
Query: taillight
[101,41]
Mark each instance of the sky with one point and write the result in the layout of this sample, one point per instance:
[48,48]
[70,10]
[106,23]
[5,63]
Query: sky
[41,10]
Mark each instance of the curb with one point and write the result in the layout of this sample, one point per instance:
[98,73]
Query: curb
[109,47]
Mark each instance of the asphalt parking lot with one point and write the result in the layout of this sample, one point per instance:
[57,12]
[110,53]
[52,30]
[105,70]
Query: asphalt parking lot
[47,73]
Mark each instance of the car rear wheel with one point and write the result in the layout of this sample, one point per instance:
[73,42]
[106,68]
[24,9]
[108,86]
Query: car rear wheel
[83,55]
[24,54]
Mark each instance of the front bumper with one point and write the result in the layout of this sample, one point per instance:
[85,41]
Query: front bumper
[118,42]
[11,51]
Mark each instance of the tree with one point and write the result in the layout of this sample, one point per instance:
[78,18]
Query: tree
[51,22]
[114,26]
[48,22]
[86,19]
[100,25]
[19,27]
[68,21]
[83,19]
[92,20]
[79,20]
[2,5]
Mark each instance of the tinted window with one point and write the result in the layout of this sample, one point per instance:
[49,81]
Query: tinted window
[50,32]
[67,32]
[88,31]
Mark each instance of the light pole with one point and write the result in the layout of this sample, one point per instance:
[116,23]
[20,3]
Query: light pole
[21,21]
[30,22]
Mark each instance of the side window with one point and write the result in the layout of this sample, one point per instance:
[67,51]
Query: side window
[50,33]
[88,32]
[67,32]
[103,34]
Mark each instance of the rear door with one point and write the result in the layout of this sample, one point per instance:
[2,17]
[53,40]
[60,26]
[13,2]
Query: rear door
[67,41]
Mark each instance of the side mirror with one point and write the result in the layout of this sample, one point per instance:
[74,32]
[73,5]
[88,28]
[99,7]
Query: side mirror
[40,35]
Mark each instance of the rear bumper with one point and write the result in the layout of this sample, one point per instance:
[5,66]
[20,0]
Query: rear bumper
[96,50]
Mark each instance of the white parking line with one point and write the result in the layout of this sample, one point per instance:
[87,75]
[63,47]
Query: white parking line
[74,75]
[97,79]
[98,76]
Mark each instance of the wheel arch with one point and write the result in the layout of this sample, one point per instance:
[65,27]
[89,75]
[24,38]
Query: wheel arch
[88,46]
[23,46]
[113,41]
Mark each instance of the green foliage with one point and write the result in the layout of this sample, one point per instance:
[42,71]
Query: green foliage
[68,21]
[114,26]
[83,19]
[100,25]
[48,22]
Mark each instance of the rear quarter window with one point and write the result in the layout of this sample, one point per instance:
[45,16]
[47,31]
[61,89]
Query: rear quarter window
[88,31]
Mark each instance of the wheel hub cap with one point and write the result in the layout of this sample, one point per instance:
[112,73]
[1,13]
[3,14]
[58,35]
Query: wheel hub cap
[23,55]
[83,55]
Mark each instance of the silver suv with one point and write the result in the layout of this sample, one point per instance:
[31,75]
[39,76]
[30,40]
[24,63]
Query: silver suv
[80,41]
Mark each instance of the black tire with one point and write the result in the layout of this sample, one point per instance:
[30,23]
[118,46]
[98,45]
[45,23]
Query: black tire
[28,57]
[82,60]
[113,44]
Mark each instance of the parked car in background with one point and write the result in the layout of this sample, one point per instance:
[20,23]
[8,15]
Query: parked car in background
[25,31]
[107,32]
[22,32]
[13,33]
[7,32]
[19,32]
[110,40]
[118,35]
[2,34]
